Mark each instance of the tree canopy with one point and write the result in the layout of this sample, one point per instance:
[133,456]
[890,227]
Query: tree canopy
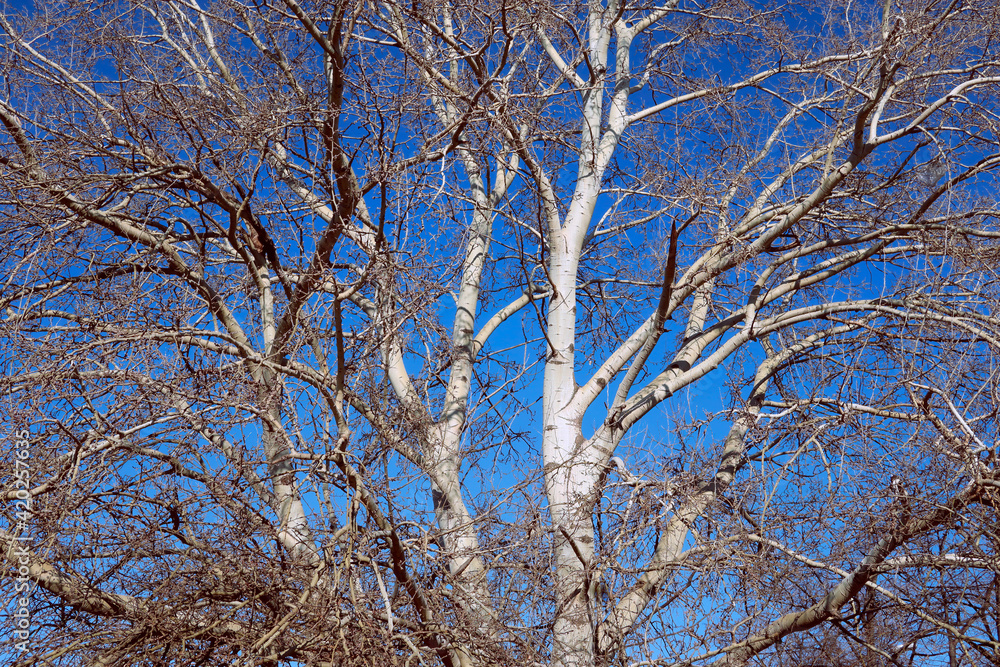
[502,333]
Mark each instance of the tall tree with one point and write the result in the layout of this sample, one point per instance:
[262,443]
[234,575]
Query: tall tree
[335,329]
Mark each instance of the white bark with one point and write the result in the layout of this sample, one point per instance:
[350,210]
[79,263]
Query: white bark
[737,289]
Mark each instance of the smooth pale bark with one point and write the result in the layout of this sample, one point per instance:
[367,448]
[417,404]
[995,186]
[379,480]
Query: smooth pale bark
[571,472]
[671,541]
[574,464]
[444,446]
[571,466]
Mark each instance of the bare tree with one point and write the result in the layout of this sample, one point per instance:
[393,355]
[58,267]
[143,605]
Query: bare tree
[335,328]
